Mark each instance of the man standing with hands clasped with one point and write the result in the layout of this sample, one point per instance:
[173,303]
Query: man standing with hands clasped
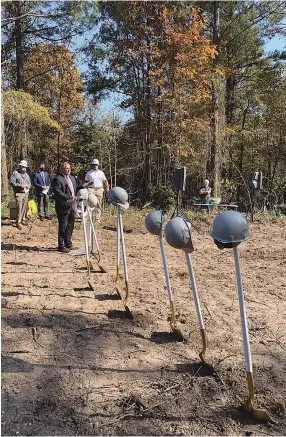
[205,194]
[42,184]
[65,187]
[96,183]
[21,183]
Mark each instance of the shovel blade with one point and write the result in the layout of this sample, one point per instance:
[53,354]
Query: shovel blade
[128,311]
[102,269]
[208,366]
[178,333]
[262,415]
[90,285]
[118,292]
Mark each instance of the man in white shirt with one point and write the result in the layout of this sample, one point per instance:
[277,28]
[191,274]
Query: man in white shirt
[96,183]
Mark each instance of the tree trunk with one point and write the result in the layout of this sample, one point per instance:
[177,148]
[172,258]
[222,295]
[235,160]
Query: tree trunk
[4,180]
[159,139]
[241,156]
[59,121]
[215,149]
[19,46]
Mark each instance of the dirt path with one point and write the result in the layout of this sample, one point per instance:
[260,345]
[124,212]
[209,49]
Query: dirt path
[74,364]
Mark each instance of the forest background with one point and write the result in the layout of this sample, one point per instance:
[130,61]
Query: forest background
[193,77]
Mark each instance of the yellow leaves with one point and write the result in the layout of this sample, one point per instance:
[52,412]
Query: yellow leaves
[220,71]
[205,95]
[21,106]
[52,76]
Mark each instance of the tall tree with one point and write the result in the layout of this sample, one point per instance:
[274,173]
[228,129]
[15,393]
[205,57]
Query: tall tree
[54,81]
[25,23]
[156,54]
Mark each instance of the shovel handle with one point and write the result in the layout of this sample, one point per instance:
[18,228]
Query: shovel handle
[117,242]
[195,291]
[245,337]
[93,231]
[165,265]
[84,233]
[90,229]
[173,321]
[122,245]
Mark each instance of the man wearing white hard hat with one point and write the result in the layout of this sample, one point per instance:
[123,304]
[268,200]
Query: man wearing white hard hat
[21,183]
[97,183]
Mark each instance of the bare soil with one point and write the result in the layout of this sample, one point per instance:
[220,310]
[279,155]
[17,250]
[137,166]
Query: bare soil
[74,363]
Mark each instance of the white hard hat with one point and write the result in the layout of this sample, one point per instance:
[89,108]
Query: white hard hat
[230,228]
[154,222]
[23,163]
[83,193]
[95,161]
[92,200]
[178,234]
[118,196]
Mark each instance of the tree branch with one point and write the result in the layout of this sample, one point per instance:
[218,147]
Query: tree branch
[7,21]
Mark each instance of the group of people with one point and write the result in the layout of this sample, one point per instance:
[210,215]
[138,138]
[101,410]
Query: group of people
[64,187]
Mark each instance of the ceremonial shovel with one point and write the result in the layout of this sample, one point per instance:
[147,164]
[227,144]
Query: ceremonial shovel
[173,326]
[120,236]
[248,405]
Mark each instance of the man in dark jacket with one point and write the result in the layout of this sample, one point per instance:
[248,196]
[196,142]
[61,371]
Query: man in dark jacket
[42,184]
[64,186]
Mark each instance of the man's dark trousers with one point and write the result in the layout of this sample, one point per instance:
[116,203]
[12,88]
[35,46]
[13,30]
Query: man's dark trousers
[66,219]
[43,200]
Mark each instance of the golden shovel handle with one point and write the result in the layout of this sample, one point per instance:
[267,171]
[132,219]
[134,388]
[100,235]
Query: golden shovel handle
[117,274]
[248,405]
[172,322]
[203,352]
[88,267]
[127,294]
[257,413]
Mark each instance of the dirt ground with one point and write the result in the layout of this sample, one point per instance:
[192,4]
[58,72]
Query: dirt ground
[73,363]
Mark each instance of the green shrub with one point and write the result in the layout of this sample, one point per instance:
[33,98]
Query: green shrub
[162,197]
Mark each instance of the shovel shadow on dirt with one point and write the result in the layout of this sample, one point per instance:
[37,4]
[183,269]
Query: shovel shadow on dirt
[196,369]
[237,414]
[119,314]
[15,365]
[106,296]
[113,228]
[103,331]
[17,263]
[93,270]
[28,248]
[162,337]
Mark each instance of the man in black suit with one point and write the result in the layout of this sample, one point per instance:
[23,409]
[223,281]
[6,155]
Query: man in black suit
[65,186]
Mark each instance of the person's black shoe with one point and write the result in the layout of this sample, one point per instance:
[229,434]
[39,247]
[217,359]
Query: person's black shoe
[48,217]
[42,218]
[63,250]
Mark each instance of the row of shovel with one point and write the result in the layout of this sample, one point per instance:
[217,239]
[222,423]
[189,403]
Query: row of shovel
[92,250]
